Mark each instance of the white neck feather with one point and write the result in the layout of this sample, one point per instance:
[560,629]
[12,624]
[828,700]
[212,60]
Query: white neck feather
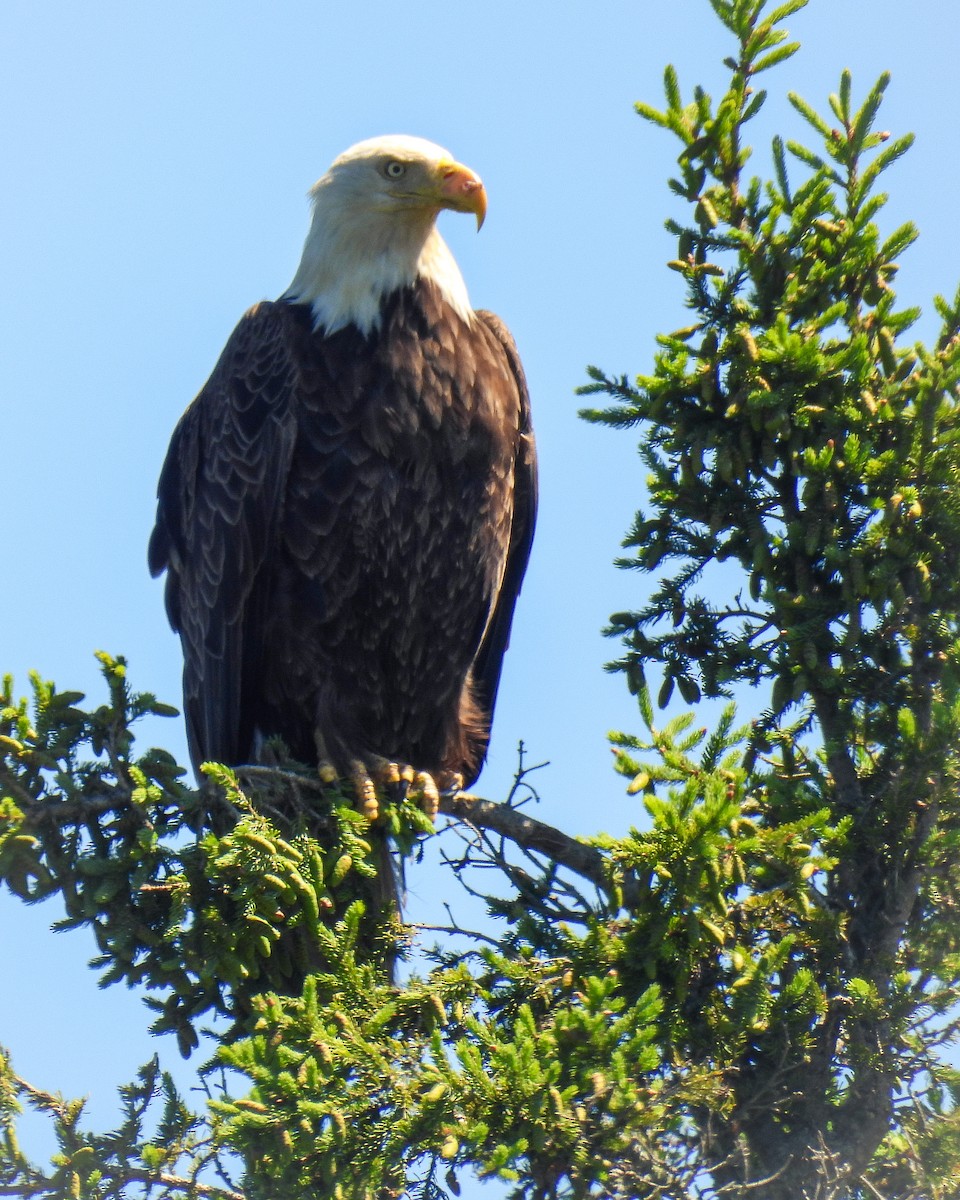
[352,259]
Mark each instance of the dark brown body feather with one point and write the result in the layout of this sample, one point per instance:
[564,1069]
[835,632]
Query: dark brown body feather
[345,521]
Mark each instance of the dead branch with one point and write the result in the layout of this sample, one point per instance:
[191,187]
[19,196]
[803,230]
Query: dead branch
[529,834]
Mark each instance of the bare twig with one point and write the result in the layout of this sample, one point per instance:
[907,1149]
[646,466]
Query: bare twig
[456,931]
[530,834]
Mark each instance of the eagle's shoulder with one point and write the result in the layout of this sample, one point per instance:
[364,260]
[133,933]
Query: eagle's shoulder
[501,333]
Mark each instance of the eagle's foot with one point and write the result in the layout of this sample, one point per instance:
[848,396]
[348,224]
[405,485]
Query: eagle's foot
[426,793]
[364,777]
[373,776]
[428,789]
[397,781]
[401,781]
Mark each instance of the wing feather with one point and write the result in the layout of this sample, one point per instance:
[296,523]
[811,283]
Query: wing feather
[496,637]
[220,503]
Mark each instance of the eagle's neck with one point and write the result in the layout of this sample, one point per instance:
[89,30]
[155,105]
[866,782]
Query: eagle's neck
[353,260]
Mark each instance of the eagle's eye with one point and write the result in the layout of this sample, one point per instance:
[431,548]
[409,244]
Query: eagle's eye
[395,170]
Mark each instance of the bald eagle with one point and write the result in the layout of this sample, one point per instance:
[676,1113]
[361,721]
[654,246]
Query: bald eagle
[346,509]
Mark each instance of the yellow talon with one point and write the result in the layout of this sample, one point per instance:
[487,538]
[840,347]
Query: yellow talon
[366,793]
[375,774]
[325,769]
[428,794]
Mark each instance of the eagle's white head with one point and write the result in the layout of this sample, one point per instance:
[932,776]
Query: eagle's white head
[374,230]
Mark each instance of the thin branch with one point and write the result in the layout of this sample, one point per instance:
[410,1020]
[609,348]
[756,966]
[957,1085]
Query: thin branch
[456,931]
[149,1179]
[530,834]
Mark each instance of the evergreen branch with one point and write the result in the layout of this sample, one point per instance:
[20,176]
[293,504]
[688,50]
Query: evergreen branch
[103,798]
[863,122]
[773,59]
[782,11]
[810,115]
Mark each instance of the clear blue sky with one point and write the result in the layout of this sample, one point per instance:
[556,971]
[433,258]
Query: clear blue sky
[156,160]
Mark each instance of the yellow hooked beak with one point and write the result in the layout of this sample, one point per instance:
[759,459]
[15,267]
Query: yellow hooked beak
[462,190]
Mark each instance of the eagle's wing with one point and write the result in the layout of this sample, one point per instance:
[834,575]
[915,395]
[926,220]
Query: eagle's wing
[221,496]
[496,636]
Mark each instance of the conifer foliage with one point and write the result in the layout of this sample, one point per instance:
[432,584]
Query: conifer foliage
[753,995]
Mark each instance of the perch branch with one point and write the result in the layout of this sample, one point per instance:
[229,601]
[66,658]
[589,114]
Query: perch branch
[530,834]
[503,819]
